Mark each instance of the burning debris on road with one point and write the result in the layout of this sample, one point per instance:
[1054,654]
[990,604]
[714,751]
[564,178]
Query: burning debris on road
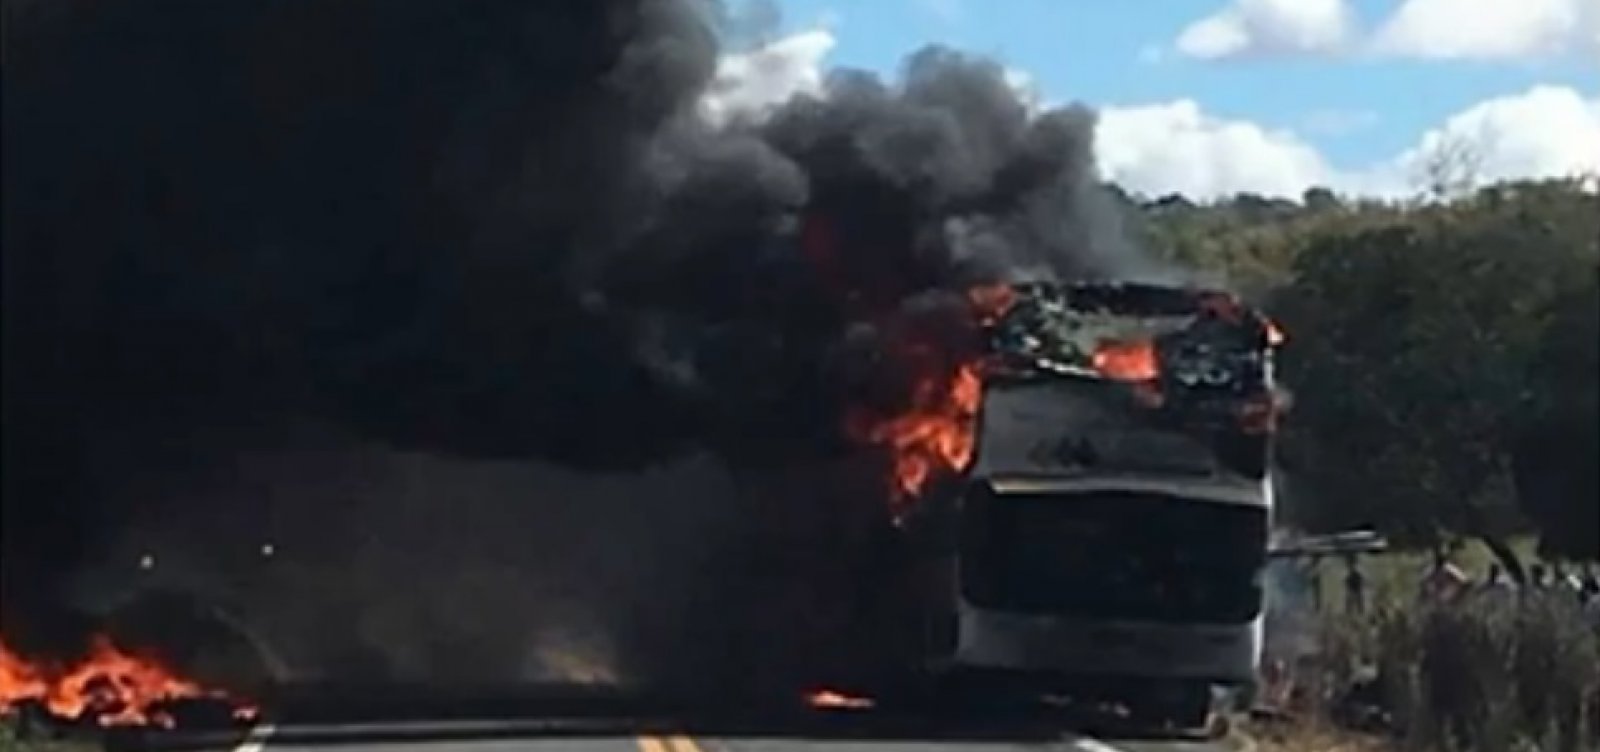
[107,687]
[828,699]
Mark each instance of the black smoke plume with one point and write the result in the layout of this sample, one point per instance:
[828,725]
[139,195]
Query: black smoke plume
[487,229]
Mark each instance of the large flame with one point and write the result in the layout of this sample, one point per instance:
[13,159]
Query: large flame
[108,686]
[935,435]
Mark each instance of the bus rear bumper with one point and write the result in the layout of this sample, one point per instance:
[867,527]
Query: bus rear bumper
[1041,644]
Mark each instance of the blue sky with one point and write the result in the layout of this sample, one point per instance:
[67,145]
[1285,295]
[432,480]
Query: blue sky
[1354,110]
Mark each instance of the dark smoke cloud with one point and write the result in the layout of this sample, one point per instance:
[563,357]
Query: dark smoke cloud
[491,229]
[396,566]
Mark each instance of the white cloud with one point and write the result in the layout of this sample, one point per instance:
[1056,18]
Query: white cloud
[1023,85]
[1545,131]
[1428,29]
[1490,29]
[751,82]
[1176,147]
[1268,27]
[1018,79]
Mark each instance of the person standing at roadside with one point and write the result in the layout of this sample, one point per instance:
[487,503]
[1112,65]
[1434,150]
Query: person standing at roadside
[1355,586]
[1313,578]
[1495,579]
[1538,577]
[1498,587]
[1444,580]
[1591,585]
[1569,581]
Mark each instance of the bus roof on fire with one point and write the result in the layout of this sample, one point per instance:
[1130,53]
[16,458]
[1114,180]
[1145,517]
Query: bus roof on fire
[1192,350]
[1062,328]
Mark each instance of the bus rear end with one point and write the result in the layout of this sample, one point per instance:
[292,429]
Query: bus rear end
[1113,531]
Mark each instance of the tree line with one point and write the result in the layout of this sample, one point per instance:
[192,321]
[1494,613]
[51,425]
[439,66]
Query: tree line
[1443,359]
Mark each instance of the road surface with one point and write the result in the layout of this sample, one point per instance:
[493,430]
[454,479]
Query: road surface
[522,737]
[832,730]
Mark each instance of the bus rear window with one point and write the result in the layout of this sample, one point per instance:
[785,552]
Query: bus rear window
[1115,555]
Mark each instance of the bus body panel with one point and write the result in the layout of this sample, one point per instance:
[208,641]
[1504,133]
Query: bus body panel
[1220,653]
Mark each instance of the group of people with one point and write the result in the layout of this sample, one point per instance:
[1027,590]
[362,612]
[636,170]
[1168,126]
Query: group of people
[1297,591]
[1580,582]
[1445,580]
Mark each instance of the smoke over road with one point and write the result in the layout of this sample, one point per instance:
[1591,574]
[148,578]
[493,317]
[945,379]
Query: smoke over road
[461,235]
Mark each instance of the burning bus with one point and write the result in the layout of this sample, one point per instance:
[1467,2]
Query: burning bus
[1111,530]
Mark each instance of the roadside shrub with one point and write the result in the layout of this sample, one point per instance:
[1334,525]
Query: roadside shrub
[1486,673]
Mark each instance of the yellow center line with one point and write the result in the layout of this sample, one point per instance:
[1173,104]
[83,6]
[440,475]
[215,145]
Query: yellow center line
[651,744]
[683,744]
[677,743]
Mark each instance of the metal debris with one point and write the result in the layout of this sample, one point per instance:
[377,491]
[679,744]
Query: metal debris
[1191,350]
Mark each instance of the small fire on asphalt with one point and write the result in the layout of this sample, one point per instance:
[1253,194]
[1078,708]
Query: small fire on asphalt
[828,699]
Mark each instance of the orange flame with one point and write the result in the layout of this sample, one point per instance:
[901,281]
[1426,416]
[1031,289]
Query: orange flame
[830,699]
[1127,361]
[109,686]
[19,680]
[935,435]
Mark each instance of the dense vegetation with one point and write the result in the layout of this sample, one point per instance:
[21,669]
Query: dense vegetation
[1442,359]
[1444,364]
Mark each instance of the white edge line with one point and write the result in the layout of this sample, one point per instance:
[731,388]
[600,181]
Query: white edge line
[256,740]
[1083,742]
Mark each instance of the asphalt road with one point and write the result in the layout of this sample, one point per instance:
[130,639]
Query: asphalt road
[354,719]
[857,734]
[525,738]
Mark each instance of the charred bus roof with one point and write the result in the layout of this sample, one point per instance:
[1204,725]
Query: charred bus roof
[1197,355]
